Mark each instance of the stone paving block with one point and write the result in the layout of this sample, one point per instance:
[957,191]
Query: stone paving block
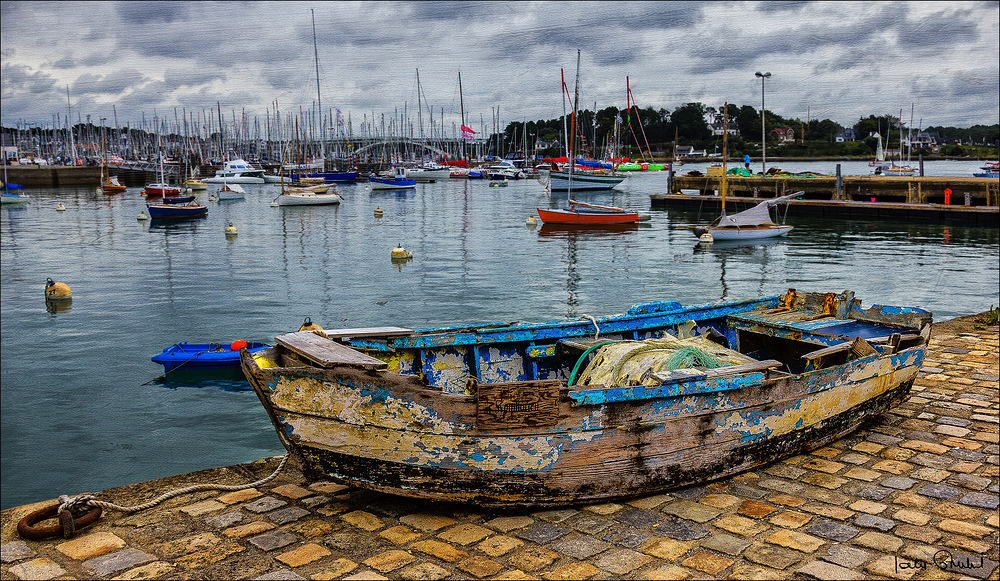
[532,559]
[202,507]
[929,460]
[747,491]
[465,534]
[825,480]
[681,530]
[686,509]
[649,502]
[858,473]
[264,504]
[625,536]
[827,571]
[708,563]
[846,556]
[874,492]
[399,535]
[892,466]
[225,520]
[879,542]
[923,534]
[647,518]
[287,515]
[780,485]
[782,470]
[910,499]
[603,509]
[870,521]
[429,522]
[579,546]
[15,551]
[922,446]
[772,556]
[940,491]
[424,572]
[621,561]
[912,517]
[40,568]
[964,528]
[390,560]
[930,474]
[972,565]
[833,531]
[363,520]
[719,500]
[479,567]
[867,447]
[740,525]
[239,496]
[303,555]
[955,511]
[966,544]
[868,506]
[834,512]
[790,519]
[981,500]
[666,573]
[667,548]
[787,500]
[795,540]
[442,551]
[888,566]
[856,459]
[898,482]
[253,528]
[554,516]
[688,492]
[505,524]
[883,439]
[111,563]
[970,481]
[293,491]
[499,545]
[728,544]
[755,509]
[91,545]
[541,533]
[273,540]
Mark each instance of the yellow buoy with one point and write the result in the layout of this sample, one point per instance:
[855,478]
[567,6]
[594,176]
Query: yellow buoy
[308,325]
[211,198]
[60,208]
[399,253]
[378,212]
[706,238]
[56,290]
[142,216]
[531,221]
[230,229]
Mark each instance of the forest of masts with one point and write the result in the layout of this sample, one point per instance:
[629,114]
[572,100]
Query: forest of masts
[212,136]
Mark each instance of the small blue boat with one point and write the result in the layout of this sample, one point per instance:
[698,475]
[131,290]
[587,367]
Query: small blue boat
[398,181]
[192,356]
[164,211]
[335,176]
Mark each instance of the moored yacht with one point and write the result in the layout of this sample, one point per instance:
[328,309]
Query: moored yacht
[237,171]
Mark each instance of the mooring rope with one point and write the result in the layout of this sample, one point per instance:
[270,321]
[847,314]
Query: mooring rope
[84,500]
[176,367]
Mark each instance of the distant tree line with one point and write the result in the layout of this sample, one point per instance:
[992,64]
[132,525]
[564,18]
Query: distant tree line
[691,124]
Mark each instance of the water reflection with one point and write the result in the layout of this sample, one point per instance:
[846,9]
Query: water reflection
[55,306]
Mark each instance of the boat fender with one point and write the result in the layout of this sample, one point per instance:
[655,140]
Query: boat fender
[237,345]
[67,527]
[706,238]
[56,290]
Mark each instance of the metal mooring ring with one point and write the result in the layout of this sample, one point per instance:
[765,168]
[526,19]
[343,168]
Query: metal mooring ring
[68,525]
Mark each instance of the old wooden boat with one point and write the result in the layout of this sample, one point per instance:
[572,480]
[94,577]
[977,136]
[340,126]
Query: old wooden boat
[191,356]
[586,410]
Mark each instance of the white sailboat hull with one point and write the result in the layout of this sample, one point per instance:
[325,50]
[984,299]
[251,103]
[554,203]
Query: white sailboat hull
[748,233]
[308,199]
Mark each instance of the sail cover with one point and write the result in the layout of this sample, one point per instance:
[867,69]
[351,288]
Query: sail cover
[755,216]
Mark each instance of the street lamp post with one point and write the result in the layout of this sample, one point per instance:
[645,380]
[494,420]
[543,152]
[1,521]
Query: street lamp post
[763,130]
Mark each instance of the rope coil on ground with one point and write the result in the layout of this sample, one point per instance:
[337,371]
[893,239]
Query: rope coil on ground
[92,507]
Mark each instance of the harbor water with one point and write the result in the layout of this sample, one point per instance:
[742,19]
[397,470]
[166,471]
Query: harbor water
[84,408]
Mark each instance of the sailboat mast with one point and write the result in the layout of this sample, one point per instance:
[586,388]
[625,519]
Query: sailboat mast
[319,102]
[572,140]
[461,107]
[725,141]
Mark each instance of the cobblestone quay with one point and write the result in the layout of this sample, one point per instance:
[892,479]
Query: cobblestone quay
[912,497]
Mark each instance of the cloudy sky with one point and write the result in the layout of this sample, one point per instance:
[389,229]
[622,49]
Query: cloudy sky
[836,60]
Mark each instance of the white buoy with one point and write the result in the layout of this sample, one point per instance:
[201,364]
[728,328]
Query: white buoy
[274,204]
[142,216]
[60,208]
[706,238]
[230,230]
[211,198]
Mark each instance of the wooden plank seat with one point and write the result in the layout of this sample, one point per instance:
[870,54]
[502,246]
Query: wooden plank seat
[326,353]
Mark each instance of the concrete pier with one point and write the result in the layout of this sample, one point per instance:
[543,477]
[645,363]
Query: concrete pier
[914,496]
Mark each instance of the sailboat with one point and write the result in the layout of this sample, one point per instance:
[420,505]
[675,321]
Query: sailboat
[581,212]
[305,196]
[161,188]
[750,224]
[109,183]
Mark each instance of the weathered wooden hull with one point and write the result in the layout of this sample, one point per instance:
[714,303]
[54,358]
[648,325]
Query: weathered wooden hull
[542,442]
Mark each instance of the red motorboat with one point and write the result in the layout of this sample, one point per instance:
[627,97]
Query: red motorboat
[162,189]
[583,213]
